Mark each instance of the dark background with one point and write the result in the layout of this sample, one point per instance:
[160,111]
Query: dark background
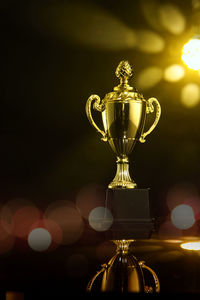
[54,55]
[48,147]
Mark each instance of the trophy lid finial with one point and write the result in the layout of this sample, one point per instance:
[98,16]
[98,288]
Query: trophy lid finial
[123,72]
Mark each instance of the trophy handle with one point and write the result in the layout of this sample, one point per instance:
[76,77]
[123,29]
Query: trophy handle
[91,282]
[149,289]
[98,105]
[150,109]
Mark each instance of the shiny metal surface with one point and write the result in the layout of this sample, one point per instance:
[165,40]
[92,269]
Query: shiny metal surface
[124,273]
[124,113]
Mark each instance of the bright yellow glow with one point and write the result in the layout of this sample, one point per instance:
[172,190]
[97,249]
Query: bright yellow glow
[195,246]
[149,41]
[171,18]
[190,95]
[174,73]
[191,54]
[149,77]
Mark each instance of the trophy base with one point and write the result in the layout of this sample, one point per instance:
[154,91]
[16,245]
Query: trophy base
[131,213]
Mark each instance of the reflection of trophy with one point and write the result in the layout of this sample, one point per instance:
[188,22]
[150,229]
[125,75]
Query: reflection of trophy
[124,273]
[123,113]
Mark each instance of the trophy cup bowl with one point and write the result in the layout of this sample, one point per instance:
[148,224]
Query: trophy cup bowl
[123,114]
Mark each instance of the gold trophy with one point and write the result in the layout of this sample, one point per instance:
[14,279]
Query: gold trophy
[123,114]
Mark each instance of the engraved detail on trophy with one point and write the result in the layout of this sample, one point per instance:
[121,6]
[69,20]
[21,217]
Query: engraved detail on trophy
[124,112]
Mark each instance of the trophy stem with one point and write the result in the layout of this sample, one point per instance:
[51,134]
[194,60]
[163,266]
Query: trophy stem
[122,178]
[122,245]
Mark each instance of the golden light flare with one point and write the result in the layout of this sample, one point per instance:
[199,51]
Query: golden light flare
[190,95]
[103,31]
[174,73]
[171,18]
[192,246]
[149,41]
[191,54]
[149,77]
[163,16]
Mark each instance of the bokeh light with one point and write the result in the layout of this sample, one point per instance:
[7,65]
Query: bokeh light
[89,197]
[7,240]
[103,31]
[192,246]
[183,193]
[23,219]
[18,215]
[190,95]
[174,73]
[39,239]
[100,218]
[53,228]
[149,77]
[150,9]
[191,54]
[11,206]
[13,295]
[67,216]
[182,216]
[149,41]
[171,18]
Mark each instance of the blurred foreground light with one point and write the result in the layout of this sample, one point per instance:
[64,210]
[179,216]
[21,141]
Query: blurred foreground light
[171,18]
[183,193]
[190,95]
[149,41]
[182,216]
[53,228]
[84,23]
[100,218]
[174,73]
[191,54]
[89,197]
[68,218]
[149,77]
[23,220]
[10,295]
[6,240]
[39,239]
[195,246]
[149,9]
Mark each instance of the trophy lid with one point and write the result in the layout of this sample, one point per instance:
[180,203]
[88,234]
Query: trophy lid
[124,72]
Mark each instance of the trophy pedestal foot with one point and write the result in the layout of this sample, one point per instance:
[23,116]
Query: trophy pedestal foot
[122,185]
[122,178]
